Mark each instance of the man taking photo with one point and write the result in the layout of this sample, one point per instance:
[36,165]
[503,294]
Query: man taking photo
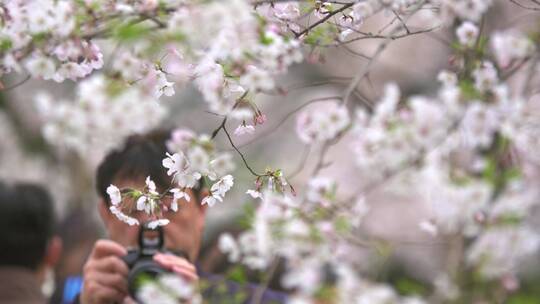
[105,273]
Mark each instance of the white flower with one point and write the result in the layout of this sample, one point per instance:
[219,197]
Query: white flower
[296,228]
[221,187]
[510,45]
[305,277]
[174,163]
[387,106]
[163,86]
[322,123]
[244,129]
[319,188]
[177,285]
[467,33]
[151,186]
[180,140]
[365,9]
[188,179]
[377,294]
[128,65]
[480,122]
[211,200]
[242,114]
[141,203]
[254,193]
[286,11]
[84,124]
[40,18]
[41,66]
[123,217]
[447,78]
[155,223]
[228,245]
[500,250]
[177,195]
[199,160]
[114,194]
[429,227]
[466,9]
[256,79]
[222,164]
[360,209]
[485,76]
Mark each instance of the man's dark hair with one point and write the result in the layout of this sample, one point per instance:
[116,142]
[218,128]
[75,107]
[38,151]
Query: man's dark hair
[27,223]
[139,157]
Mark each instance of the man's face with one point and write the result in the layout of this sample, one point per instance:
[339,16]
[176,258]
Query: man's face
[183,233]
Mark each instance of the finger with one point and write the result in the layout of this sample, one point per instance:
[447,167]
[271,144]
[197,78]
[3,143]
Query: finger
[104,248]
[103,294]
[110,264]
[187,274]
[169,260]
[178,265]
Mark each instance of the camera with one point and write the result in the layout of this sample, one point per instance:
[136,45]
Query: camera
[140,261]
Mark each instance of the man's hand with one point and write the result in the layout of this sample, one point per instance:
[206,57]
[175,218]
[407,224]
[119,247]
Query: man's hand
[105,274]
[177,265]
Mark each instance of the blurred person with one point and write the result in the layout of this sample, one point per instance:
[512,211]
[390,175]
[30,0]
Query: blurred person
[79,232]
[30,247]
[105,274]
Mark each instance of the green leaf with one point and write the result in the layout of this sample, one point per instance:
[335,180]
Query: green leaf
[407,286]
[130,31]
[237,274]
[248,216]
[512,174]
[468,90]
[523,299]
[490,171]
[342,225]
[322,34]
[510,219]
[265,39]
[482,43]
[5,44]
[326,293]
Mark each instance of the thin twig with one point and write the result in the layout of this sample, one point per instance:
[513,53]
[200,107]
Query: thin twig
[221,126]
[259,292]
[16,85]
[320,163]
[376,55]
[238,151]
[302,164]
[525,7]
[274,128]
[530,74]
[328,16]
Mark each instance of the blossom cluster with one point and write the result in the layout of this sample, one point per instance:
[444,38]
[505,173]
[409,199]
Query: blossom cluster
[192,163]
[100,105]
[323,123]
[223,48]
[451,148]
[467,149]
[36,36]
[168,289]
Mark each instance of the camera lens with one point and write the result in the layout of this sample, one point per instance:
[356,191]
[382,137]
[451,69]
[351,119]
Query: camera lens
[143,270]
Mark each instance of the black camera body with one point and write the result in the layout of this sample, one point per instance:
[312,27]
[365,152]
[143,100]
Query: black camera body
[140,261]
